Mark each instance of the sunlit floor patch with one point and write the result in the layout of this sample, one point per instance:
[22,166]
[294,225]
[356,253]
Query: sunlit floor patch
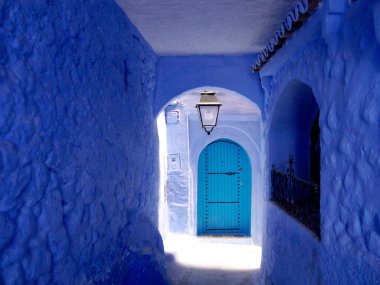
[221,253]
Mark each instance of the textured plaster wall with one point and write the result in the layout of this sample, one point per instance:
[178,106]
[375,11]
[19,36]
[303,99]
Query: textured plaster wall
[343,70]
[78,147]
[178,185]
[294,256]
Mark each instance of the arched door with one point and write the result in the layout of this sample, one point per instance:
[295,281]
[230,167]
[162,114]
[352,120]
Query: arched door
[224,190]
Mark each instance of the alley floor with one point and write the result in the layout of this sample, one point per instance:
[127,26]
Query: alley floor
[212,260]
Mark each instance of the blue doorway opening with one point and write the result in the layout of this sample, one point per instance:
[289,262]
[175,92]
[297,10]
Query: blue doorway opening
[224,190]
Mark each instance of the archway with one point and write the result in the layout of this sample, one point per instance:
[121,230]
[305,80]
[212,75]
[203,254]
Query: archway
[224,190]
[294,130]
[181,141]
[294,153]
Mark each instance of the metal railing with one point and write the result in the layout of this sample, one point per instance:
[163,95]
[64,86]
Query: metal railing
[300,198]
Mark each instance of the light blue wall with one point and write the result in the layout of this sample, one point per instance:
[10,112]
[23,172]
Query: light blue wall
[339,59]
[187,139]
[247,131]
[78,146]
[178,74]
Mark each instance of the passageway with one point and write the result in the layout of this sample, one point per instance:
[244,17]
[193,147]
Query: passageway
[210,260]
[107,177]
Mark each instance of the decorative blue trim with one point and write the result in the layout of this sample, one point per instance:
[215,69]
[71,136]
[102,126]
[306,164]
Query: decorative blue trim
[294,20]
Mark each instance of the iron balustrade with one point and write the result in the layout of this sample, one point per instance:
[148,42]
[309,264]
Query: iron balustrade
[298,197]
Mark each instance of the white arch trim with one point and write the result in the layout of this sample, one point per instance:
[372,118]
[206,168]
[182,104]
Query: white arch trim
[231,100]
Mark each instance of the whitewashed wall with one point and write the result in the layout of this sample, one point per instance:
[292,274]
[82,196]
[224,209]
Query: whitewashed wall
[187,139]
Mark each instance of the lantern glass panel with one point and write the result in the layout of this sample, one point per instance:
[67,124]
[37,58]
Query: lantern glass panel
[209,115]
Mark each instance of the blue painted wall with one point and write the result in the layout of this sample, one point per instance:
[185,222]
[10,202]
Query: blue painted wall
[178,74]
[78,146]
[293,259]
[341,65]
[290,129]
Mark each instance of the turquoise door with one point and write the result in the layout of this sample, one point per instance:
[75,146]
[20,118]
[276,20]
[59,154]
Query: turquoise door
[224,190]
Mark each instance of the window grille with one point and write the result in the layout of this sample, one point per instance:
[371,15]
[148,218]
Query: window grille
[298,197]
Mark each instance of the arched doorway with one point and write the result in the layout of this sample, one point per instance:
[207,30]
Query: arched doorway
[294,154]
[224,190]
[182,140]
[294,130]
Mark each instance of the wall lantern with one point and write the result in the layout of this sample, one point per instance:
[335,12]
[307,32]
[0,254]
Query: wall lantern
[208,109]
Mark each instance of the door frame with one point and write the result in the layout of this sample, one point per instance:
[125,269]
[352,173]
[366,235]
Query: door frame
[198,141]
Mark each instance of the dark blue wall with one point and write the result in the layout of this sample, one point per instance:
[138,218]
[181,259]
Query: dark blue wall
[78,146]
[338,58]
[290,128]
[178,74]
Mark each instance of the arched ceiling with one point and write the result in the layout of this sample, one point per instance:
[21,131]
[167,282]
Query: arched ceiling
[200,27]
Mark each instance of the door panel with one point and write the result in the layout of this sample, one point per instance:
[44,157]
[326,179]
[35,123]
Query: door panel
[224,190]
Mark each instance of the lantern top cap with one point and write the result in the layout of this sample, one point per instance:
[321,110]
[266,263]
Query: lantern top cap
[208,92]
[208,98]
